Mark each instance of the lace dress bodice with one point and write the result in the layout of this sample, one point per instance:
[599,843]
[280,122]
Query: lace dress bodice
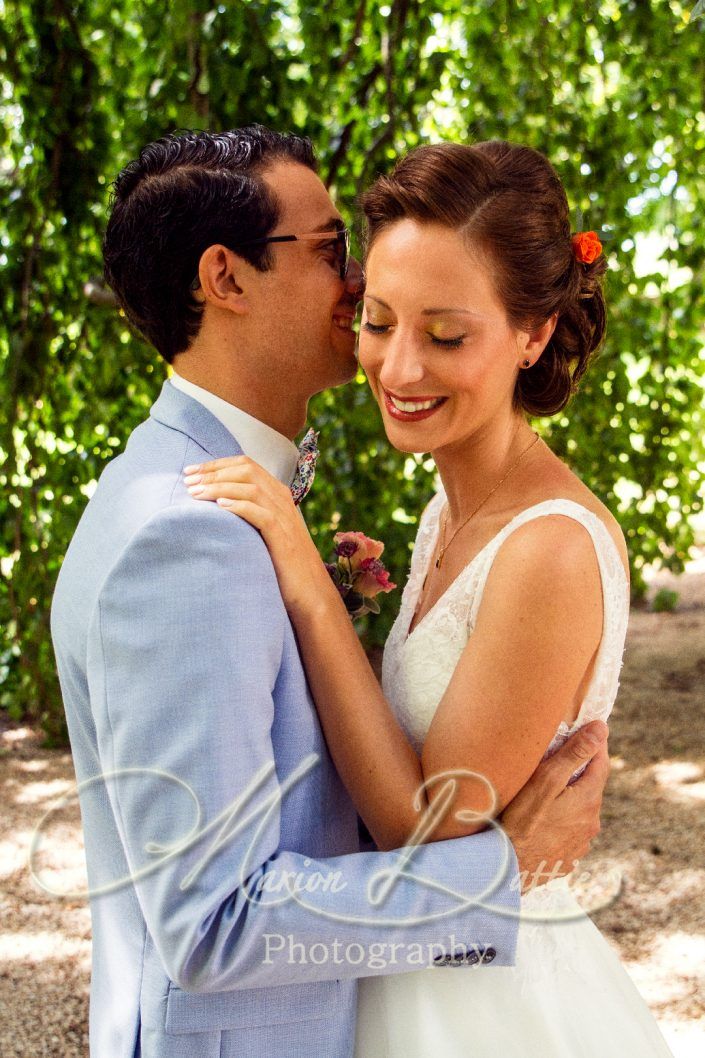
[417,667]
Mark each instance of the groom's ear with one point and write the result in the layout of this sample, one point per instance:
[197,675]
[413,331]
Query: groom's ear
[219,273]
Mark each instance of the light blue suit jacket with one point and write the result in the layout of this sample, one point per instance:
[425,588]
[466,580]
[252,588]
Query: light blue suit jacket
[230,905]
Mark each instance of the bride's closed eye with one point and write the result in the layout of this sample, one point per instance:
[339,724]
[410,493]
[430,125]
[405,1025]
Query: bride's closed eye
[448,343]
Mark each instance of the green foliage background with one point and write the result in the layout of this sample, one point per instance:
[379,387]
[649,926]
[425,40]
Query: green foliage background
[612,91]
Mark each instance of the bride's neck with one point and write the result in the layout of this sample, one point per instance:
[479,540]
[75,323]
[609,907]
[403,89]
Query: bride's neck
[472,467]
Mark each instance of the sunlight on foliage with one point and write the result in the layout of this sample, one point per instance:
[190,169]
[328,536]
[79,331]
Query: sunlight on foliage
[611,91]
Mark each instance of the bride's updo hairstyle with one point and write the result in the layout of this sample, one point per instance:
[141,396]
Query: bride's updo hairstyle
[509,203]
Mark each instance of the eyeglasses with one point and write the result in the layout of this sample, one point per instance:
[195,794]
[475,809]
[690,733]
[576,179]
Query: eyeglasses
[340,235]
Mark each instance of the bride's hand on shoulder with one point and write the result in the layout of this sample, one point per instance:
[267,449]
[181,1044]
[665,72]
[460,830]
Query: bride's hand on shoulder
[240,485]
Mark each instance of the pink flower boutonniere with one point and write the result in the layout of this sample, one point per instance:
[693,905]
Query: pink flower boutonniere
[358,573]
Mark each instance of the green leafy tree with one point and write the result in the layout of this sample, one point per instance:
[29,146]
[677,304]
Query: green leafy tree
[611,91]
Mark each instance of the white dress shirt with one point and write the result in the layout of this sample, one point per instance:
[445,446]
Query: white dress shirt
[271,449]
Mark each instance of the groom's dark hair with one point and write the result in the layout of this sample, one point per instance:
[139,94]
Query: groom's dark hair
[184,193]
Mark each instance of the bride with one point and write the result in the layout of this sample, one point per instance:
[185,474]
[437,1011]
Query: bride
[480,312]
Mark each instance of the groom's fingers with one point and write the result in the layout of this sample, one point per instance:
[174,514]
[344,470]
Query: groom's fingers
[588,745]
[591,784]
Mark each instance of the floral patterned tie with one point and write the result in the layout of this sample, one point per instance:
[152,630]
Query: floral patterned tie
[306,466]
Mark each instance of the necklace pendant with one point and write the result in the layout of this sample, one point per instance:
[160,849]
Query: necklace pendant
[439,560]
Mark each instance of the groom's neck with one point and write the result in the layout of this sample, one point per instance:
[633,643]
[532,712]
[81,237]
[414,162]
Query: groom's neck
[247,390]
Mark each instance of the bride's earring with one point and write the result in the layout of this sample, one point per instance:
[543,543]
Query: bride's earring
[527,363]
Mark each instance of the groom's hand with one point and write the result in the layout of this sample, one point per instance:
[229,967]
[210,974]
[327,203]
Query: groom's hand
[552,824]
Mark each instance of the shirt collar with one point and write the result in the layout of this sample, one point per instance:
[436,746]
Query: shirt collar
[271,449]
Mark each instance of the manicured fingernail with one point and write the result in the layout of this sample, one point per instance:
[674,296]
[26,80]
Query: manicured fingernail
[193,479]
[223,502]
[190,469]
[196,490]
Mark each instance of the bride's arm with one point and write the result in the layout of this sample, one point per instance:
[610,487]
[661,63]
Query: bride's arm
[537,628]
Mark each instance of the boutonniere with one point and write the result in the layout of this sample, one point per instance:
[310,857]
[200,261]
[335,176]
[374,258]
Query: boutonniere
[358,573]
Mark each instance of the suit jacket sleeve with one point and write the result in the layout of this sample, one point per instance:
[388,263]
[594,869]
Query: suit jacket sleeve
[184,650]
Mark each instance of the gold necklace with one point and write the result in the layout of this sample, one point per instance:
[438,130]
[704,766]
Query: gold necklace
[444,547]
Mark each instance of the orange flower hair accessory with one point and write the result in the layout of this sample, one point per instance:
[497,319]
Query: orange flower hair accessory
[586,246]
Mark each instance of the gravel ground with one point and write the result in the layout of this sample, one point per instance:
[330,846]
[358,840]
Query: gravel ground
[651,851]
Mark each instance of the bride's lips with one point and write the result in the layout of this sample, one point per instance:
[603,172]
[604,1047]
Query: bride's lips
[410,410]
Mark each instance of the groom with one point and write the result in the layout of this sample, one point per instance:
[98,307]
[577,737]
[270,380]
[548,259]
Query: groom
[232,912]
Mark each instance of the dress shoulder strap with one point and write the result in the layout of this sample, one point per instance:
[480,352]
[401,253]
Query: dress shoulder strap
[425,536]
[426,533]
[608,557]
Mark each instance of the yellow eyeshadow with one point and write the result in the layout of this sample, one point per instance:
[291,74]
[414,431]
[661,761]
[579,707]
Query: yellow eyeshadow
[442,331]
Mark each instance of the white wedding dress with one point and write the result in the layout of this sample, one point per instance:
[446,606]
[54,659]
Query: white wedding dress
[568,995]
